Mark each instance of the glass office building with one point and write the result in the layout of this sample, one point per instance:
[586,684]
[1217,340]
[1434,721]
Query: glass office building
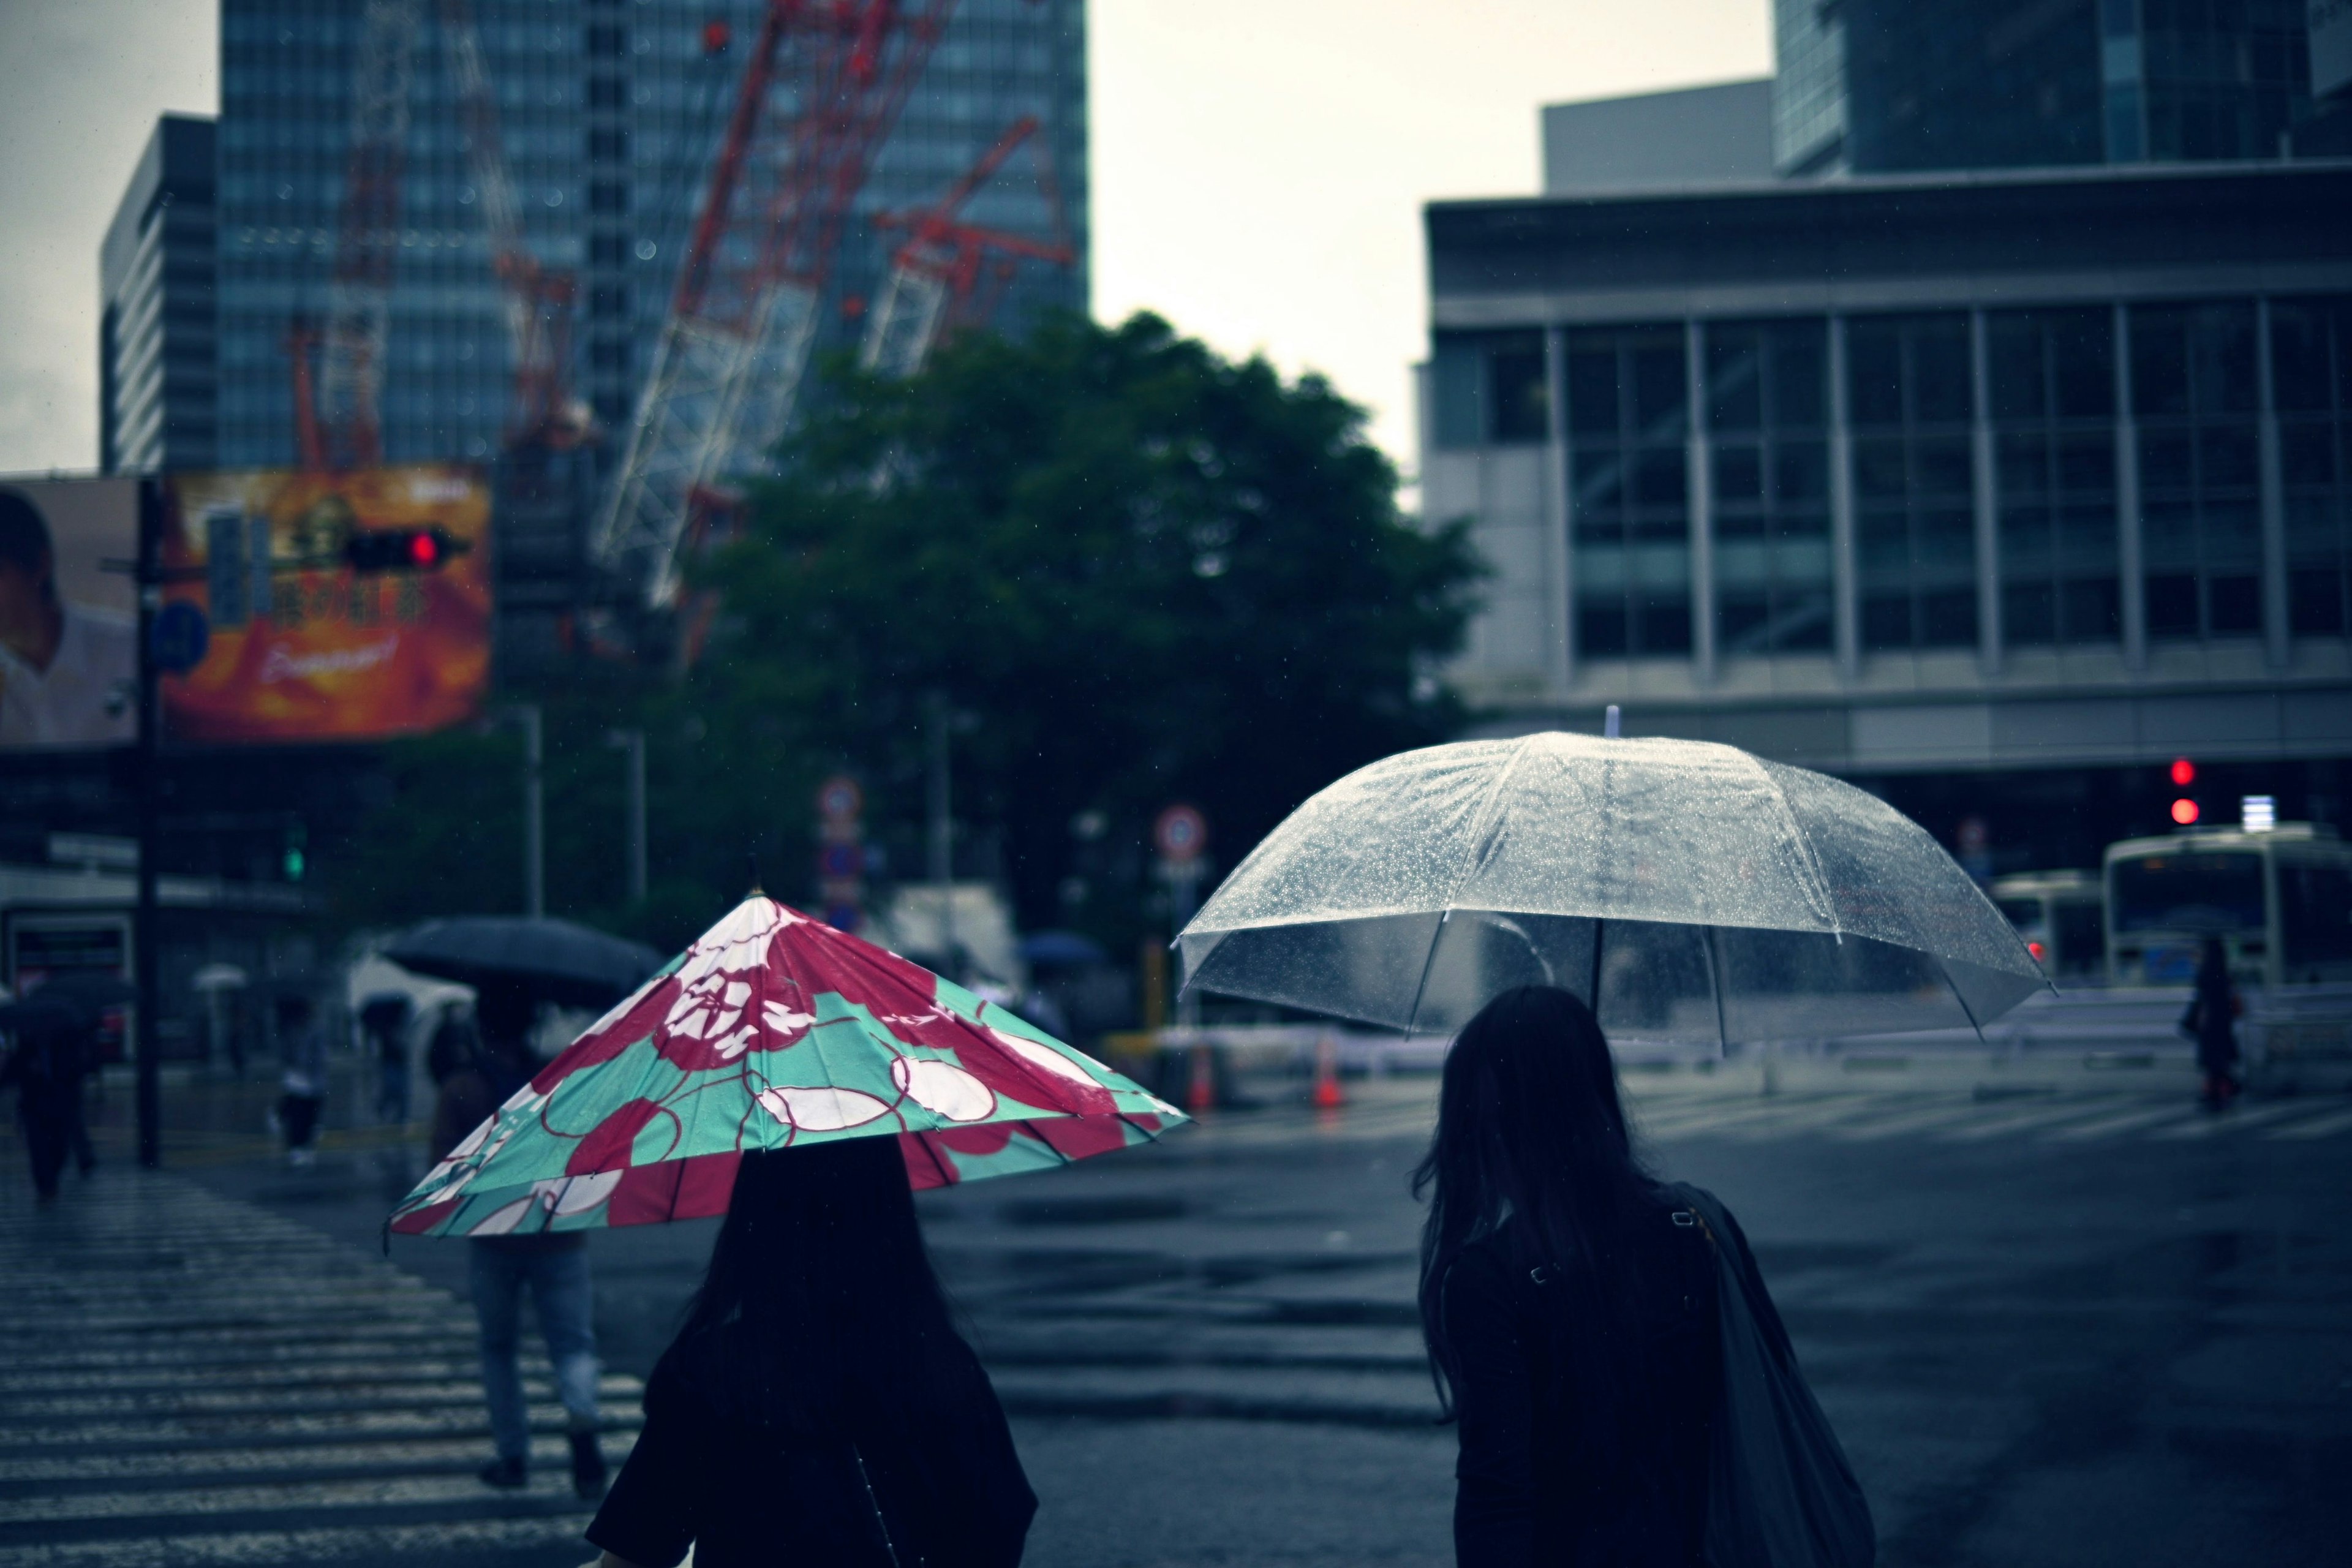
[609,111]
[1885,86]
[156,361]
[1906,475]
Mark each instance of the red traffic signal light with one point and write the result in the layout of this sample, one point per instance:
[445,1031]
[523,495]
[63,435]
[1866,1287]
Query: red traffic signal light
[2184,811]
[402,550]
[2184,772]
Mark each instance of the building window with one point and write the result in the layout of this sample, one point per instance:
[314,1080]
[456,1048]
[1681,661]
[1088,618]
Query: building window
[1490,389]
[1766,420]
[1629,503]
[2053,404]
[1910,400]
[2193,376]
[2311,387]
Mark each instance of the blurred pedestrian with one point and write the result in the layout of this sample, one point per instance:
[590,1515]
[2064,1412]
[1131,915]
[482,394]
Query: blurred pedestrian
[383,1023]
[818,1405]
[1569,1301]
[552,1266]
[46,1068]
[2212,1022]
[303,1084]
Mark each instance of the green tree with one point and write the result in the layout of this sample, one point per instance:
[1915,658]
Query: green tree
[1144,573]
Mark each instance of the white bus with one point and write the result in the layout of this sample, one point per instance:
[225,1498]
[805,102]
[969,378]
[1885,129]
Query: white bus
[2280,901]
[2062,915]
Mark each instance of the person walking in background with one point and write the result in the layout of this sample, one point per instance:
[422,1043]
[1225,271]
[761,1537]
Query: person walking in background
[818,1405]
[2212,1022]
[45,1069]
[552,1266]
[304,1045]
[1569,1300]
[384,1027]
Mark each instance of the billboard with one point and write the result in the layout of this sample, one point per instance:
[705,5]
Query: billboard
[334,607]
[67,629]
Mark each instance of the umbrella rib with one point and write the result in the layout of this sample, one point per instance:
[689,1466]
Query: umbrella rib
[1821,881]
[1710,942]
[1968,1011]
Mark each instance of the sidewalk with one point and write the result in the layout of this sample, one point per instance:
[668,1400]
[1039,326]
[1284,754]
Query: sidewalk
[186,1378]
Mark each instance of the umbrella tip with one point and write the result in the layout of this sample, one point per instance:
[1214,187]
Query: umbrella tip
[1609,722]
[751,863]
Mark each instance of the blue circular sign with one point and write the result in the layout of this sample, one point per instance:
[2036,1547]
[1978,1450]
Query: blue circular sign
[180,637]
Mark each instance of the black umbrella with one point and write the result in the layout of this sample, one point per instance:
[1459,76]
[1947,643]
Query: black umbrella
[554,960]
[74,1000]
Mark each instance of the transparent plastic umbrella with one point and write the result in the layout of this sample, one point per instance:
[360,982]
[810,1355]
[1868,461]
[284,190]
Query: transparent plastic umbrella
[1702,894]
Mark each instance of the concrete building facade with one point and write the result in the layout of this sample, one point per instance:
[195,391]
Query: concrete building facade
[1961,476]
[156,337]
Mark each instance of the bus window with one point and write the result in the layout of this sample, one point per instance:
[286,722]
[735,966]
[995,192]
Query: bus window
[2189,892]
[2315,913]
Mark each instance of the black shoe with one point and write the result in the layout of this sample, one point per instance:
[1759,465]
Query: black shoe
[506,1475]
[587,1466]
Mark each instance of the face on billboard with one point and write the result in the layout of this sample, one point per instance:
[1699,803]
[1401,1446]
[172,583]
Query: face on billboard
[339,607]
[67,667]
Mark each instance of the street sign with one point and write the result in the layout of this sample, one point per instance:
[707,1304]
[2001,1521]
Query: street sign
[1181,834]
[839,798]
[180,635]
[840,862]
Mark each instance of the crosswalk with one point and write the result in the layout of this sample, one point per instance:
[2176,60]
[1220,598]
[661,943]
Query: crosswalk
[187,1379]
[1960,1117]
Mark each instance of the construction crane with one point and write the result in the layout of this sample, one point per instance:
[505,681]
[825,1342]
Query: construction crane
[822,87]
[538,298]
[347,430]
[937,283]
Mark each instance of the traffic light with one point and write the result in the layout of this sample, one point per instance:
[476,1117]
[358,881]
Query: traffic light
[2184,772]
[402,550]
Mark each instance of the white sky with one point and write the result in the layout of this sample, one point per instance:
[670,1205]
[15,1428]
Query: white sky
[1259,166]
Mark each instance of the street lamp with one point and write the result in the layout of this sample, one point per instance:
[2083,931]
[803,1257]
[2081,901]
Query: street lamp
[525,716]
[633,743]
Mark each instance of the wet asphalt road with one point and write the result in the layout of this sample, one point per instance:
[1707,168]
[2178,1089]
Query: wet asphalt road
[2085,1327]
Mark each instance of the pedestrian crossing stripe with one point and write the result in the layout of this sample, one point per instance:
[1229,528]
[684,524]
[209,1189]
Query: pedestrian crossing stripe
[2237,1119]
[2318,1127]
[188,1379]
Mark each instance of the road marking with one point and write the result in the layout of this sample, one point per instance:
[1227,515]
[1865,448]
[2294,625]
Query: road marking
[191,1379]
[2221,1123]
[1999,1124]
[2326,1126]
[2122,1122]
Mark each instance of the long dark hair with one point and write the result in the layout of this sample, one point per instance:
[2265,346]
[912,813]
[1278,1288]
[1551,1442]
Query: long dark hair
[1530,1131]
[820,1306]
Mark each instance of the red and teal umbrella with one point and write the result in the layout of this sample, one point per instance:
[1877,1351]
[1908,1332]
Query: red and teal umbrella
[774,1030]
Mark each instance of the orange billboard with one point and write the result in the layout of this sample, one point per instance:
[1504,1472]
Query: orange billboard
[336,606]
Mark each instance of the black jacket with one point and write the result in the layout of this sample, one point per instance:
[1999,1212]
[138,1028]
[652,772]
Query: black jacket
[1544,1477]
[941,1488]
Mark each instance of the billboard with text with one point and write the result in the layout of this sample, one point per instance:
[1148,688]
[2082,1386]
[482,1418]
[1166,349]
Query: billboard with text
[68,668]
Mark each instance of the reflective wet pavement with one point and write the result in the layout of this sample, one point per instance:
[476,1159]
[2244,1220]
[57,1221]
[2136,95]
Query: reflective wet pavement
[2060,1323]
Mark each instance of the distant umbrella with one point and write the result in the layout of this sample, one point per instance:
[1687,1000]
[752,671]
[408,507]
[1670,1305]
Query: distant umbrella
[76,999]
[1065,948]
[1689,891]
[555,960]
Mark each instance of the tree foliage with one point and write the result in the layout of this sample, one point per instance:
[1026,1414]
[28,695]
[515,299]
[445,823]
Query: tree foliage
[1141,573]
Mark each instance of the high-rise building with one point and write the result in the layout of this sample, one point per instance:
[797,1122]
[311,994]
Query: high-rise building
[1897,86]
[1692,136]
[610,111]
[155,336]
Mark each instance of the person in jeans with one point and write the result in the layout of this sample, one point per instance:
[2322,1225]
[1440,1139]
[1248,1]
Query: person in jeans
[551,1265]
[1568,1302]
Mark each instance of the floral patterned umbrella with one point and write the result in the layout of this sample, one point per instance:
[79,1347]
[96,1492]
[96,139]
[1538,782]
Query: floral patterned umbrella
[773,1031]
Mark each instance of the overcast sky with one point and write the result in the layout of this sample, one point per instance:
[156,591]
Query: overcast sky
[1258,164]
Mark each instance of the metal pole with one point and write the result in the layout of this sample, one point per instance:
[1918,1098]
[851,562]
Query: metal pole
[942,826]
[145,934]
[633,742]
[534,809]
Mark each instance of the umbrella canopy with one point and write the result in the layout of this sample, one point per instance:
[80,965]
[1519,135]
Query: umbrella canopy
[555,960]
[773,1031]
[1693,891]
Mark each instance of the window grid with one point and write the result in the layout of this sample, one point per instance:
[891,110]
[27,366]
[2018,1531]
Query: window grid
[2196,401]
[1912,406]
[2311,377]
[1767,421]
[2053,392]
[1629,422]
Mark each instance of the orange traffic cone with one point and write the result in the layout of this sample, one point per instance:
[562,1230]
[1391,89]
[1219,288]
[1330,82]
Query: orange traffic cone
[1200,1086]
[1327,1095]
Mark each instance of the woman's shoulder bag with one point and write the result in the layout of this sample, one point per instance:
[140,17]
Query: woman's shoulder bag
[1779,1492]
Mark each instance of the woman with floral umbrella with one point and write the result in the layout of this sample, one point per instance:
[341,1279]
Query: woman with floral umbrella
[818,1405]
